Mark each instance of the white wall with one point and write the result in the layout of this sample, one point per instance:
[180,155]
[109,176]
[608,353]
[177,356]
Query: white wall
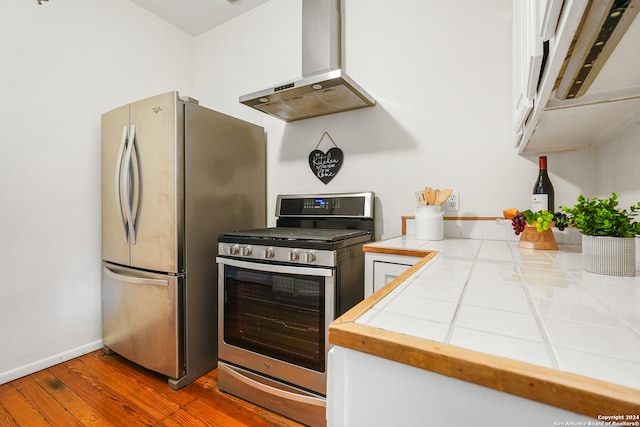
[63,64]
[440,72]
[619,171]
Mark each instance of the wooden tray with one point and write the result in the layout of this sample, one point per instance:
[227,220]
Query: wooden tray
[533,239]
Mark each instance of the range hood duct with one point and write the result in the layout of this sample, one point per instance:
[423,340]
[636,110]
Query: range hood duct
[324,87]
[602,28]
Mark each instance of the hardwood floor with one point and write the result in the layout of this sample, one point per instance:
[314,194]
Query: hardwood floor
[99,390]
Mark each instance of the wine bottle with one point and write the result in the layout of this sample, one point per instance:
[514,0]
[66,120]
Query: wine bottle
[542,189]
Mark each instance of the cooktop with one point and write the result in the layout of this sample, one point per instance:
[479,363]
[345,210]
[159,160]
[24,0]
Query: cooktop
[297,233]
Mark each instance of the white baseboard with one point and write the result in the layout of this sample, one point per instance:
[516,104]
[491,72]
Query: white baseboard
[39,365]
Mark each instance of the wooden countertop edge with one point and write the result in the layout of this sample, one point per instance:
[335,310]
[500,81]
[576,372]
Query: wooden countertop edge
[577,393]
[396,251]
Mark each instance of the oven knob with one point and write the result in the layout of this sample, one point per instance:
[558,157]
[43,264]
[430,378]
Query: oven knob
[293,255]
[245,251]
[234,250]
[268,253]
[309,257]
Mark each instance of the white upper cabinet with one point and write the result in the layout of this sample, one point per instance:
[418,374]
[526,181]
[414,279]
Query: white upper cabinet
[549,15]
[588,86]
[527,60]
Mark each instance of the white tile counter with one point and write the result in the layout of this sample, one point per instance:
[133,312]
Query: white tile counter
[535,307]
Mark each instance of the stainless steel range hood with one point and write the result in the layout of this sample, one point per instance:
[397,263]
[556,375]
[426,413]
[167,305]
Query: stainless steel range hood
[324,87]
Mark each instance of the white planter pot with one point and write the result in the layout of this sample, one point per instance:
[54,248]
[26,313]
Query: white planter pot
[613,256]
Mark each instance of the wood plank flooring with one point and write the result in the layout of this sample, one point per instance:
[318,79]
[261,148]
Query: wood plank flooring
[99,390]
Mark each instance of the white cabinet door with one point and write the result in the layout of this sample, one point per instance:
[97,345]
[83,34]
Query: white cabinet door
[380,269]
[527,60]
[549,15]
[417,397]
[384,272]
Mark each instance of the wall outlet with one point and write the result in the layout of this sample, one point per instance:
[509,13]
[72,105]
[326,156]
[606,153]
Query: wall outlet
[453,202]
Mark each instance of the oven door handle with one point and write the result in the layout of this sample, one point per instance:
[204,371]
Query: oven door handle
[269,390]
[277,268]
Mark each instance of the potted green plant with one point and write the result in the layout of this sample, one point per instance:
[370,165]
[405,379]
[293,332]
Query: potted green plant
[608,244]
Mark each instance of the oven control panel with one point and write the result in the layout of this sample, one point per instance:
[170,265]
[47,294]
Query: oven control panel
[277,254]
[351,205]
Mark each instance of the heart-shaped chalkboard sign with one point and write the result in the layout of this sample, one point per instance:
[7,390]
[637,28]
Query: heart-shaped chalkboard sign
[326,165]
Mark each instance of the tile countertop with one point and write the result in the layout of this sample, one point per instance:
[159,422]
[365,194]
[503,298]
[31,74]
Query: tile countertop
[530,318]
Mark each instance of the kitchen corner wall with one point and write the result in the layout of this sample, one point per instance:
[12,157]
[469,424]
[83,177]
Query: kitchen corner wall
[619,170]
[64,63]
[441,75]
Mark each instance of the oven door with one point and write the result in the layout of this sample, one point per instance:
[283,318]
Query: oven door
[274,320]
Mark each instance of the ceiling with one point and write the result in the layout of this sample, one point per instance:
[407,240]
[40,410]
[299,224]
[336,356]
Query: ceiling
[197,16]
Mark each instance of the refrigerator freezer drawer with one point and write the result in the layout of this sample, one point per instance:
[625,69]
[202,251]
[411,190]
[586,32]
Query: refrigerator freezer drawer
[141,318]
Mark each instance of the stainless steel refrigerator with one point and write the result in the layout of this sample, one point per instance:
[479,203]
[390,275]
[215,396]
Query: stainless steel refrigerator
[174,175]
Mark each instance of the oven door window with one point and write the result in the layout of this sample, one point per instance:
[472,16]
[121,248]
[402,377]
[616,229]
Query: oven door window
[275,314]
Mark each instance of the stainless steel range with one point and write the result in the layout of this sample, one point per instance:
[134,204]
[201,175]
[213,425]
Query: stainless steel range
[279,289]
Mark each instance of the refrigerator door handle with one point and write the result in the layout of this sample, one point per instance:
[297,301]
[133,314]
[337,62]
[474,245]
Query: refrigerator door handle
[136,186]
[136,280]
[118,176]
[127,183]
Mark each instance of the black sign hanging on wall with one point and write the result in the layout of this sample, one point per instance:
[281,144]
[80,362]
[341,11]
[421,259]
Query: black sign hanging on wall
[326,165]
